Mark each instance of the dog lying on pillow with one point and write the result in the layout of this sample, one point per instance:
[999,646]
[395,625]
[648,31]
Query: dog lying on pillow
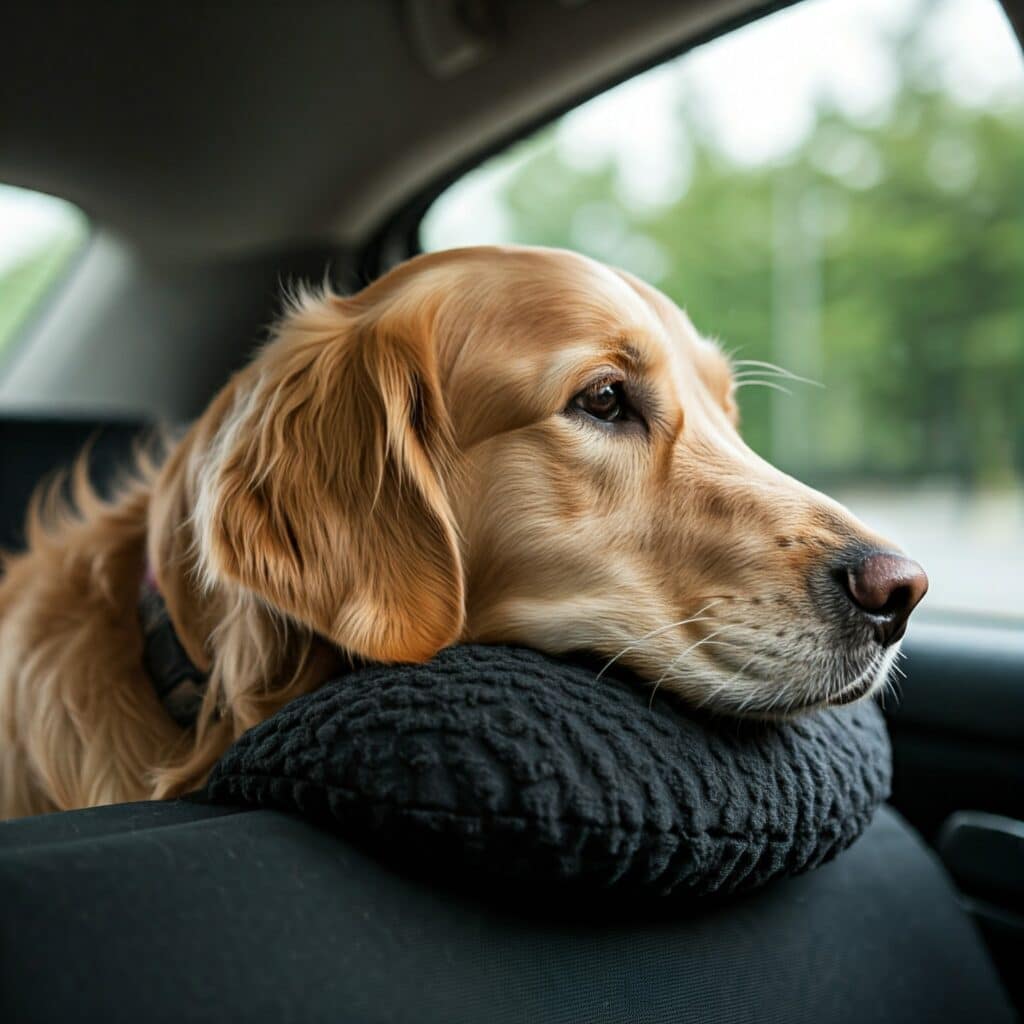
[491,444]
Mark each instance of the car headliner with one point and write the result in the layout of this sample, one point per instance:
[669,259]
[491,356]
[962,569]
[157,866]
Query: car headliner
[225,127]
[234,126]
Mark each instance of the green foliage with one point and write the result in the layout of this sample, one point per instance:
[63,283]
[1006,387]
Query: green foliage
[886,260]
[25,283]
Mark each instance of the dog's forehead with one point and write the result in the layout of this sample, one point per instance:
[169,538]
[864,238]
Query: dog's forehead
[493,281]
[638,315]
[557,306]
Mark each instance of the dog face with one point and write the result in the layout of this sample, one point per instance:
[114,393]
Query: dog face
[522,445]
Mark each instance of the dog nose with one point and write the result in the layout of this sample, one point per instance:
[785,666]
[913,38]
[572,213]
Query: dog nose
[888,588]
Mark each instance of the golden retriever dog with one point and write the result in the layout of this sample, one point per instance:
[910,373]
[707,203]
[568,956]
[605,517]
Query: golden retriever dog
[493,444]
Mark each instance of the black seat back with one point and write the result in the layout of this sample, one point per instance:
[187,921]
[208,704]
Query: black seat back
[179,912]
[34,448]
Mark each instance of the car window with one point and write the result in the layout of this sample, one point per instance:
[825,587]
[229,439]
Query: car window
[835,190]
[39,234]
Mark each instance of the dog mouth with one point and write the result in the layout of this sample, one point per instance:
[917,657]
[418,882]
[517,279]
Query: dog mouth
[873,676]
[776,664]
[854,692]
[781,689]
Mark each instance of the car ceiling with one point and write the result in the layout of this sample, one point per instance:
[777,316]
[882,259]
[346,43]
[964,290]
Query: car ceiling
[241,126]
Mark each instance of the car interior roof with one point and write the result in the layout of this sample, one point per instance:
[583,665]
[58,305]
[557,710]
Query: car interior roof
[230,127]
[236,127]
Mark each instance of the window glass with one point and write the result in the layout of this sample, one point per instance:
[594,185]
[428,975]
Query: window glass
[38,236]
[836,189]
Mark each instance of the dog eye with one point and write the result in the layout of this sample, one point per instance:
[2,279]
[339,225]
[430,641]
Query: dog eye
[605,402]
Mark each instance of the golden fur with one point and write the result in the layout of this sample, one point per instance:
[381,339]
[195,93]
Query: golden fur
[403,469]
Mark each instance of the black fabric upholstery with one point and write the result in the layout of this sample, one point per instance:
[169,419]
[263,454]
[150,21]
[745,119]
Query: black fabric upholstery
[174,912]
[31,448]
[502,761]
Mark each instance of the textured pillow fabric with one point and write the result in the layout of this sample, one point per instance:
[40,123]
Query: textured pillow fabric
[501,761]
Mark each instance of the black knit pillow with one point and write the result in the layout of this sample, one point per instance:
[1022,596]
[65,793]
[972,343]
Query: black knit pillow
[502,761]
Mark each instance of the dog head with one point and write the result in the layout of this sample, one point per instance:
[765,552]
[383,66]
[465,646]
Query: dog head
[522,445]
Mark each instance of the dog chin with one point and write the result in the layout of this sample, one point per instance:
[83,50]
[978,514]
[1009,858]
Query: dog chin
[863,686]
[869,683]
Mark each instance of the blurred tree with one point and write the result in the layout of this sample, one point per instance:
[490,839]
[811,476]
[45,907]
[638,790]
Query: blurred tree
[894,250]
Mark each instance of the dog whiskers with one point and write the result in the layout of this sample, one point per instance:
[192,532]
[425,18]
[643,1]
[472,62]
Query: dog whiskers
[762,384]
[761,367]
[639,641]
[891,685]
[679,657]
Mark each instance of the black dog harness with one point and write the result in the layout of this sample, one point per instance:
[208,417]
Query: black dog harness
[178,684]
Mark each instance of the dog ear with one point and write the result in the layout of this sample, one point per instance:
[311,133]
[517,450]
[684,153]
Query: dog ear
[325,492]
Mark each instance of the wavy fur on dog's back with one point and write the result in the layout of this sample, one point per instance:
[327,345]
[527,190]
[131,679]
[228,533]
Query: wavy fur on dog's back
[79,723]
